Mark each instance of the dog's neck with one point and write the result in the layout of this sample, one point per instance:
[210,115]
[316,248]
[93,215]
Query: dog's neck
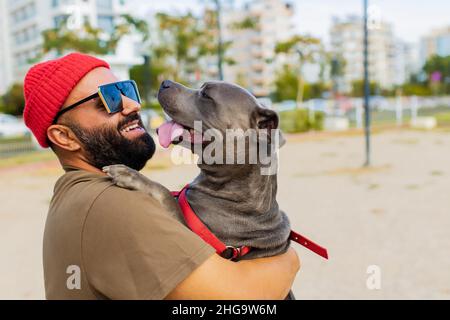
[245,186]
[239,206]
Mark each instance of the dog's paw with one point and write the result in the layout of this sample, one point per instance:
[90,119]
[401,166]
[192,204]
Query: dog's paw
[124,176]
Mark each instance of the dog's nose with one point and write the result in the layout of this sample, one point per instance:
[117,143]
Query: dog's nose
[166,84]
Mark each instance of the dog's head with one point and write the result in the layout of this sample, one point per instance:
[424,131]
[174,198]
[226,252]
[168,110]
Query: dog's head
[218,106]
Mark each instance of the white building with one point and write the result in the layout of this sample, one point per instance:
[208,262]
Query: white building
[388,56]
[252,49]
[437,42]
[26,19]
[407,61]
[5,63]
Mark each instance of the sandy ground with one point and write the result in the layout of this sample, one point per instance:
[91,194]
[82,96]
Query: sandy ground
[395,215]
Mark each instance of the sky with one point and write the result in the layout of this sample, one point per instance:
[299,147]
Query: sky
[410,19]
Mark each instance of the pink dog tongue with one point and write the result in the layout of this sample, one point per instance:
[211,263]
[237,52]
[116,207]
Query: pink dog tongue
[168,132]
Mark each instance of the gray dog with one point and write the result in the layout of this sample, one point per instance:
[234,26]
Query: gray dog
[235,201]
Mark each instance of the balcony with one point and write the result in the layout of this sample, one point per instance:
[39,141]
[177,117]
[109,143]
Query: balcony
[256,52]
[258,66]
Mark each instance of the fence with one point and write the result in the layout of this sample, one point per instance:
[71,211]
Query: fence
[401,109]
[385,110]
[11,147]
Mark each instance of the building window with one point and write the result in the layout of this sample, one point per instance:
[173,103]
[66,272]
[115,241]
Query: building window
[106,23]
[104,5]
[17,38]
[57,3]
[24,13]
[59,21]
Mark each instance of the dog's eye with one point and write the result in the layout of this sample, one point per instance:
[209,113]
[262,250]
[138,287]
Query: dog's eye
[205,95]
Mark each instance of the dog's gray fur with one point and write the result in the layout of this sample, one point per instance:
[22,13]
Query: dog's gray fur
[235,201]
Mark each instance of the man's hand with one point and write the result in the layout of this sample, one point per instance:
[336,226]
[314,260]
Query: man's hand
[259,279]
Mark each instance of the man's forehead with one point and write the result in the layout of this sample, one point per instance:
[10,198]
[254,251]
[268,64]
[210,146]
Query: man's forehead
[90,83]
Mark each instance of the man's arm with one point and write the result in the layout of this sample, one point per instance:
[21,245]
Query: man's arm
[133,249]
[217,278]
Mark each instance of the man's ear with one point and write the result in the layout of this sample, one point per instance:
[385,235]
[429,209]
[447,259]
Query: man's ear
[63,137]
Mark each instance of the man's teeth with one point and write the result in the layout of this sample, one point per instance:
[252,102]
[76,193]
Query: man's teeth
[132,127]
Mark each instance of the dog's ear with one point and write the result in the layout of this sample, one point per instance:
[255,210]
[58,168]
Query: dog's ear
[265,118]
[268,119]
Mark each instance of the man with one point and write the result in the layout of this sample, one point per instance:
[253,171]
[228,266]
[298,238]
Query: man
[105,242]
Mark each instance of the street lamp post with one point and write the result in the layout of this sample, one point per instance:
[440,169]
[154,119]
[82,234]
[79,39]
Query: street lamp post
[220,41]
[366,85]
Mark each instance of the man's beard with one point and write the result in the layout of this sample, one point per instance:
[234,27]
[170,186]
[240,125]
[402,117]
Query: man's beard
[105,146]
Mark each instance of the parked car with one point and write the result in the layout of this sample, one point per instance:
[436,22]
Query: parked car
[11,126]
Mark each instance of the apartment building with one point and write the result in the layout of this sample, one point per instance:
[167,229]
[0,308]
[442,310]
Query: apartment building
[26,19]
[253,49]
[5,63]
[388,55]
[437,42]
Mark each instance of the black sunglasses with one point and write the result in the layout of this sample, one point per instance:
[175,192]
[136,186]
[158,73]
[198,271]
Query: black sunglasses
[111,96]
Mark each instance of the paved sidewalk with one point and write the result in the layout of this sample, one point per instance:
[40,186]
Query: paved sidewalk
[395,215]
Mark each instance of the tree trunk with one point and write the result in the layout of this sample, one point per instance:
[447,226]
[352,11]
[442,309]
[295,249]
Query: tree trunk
[300,89]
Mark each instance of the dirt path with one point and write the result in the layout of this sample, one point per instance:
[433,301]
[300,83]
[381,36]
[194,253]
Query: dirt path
[395,215]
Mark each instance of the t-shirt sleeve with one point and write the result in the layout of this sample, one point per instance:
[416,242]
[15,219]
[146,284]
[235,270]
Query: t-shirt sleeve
[133,249]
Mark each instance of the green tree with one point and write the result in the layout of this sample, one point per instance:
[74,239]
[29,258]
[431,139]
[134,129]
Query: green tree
[300,120]
[286,86]
[89,39]
[13,101]
[184,40]
[308,49]
[337,65]
[358,88]
[441,65]
[416,89]
[157,72]
[214,27]
[181,39]
[248,23]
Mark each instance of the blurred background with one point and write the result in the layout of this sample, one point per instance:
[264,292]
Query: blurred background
[366,168]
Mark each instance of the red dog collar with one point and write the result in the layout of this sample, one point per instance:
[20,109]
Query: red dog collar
[230,252]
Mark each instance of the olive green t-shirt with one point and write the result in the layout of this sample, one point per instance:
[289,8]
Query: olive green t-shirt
[105,242]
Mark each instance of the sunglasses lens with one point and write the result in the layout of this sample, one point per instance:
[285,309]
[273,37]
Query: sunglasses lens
[112,98]
[129,90]
[112,94]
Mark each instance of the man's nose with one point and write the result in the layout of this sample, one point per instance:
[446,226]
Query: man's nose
[130,106]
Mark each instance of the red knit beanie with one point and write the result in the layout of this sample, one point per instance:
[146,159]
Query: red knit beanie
[47,86]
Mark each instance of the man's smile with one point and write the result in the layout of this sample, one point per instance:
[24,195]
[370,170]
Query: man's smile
[132,129]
